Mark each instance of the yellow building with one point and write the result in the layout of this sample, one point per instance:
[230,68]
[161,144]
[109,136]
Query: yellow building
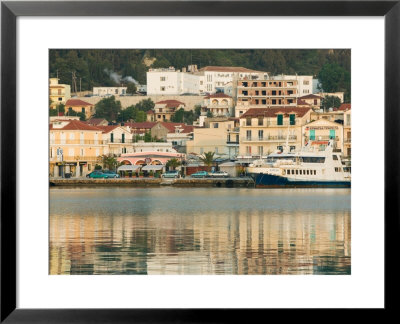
[75,148]
[321,131]
[59,93]
[265,130]
[220,135]
[79,106]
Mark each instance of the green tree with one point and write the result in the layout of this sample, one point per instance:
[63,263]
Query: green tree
[208,159]
[178,116]
[131,88]
[330,102]
[173,163]
[333,78]
[109,162]
[209,114]
[108,108]
[145,105]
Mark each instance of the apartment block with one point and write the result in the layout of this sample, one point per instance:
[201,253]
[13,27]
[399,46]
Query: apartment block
[266,130]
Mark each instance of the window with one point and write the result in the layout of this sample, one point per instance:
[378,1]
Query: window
[215,125]
[248,135]
[260,150]
[162,88]
[112,137]
[306,91]
[260,121]
[260,134]
[162,78]
[248,121]
[123,138]
[315,172]
[279,119]
[315,102]
[297,171]
[292,119]
[292,148]
[280,148]
[335,157]
[332,134]
[306,82]
[312,134]
[248,150]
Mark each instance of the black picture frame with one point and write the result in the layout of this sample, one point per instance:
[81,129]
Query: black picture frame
[9,13]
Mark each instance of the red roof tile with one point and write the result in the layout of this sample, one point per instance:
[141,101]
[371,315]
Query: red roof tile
[311,96]
[107,129]
[272,112]
[170,103]
[78,125]
[77,102]
[345,106]
[302,103]
[144,125]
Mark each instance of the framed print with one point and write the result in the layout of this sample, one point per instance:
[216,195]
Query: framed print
[200,156]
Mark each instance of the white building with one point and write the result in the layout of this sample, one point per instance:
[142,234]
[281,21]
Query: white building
[172,82]
[304,83]
[109,91]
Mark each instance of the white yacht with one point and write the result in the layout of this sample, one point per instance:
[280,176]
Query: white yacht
[313,166]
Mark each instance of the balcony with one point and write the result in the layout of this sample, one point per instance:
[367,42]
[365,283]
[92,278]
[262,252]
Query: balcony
[76,142]
[323,138]
[67,158]
[270,139]
[275,124]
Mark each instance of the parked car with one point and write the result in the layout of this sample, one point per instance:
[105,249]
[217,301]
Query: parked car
[171,174]
[97,174]
[219,174]
[111,174]
[199,174]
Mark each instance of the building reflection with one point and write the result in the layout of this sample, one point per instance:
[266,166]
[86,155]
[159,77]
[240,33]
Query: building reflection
[245,242]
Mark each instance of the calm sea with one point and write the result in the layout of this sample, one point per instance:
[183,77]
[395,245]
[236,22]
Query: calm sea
[199,231]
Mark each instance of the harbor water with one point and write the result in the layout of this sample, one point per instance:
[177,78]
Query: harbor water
[169,230]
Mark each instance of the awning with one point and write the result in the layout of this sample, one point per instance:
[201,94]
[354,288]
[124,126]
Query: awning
[152,167]
[128,167]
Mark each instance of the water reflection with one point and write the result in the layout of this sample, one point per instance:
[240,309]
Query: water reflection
[199,231]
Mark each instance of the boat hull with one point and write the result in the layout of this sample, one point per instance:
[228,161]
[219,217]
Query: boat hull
[273,181]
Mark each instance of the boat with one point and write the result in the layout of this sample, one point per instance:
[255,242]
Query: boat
[316,165]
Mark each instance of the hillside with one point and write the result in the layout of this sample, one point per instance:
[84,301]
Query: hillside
[113,67]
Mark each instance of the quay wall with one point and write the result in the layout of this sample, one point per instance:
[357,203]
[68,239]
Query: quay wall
[148,182]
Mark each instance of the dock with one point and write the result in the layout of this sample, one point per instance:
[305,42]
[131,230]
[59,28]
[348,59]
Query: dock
[242,182]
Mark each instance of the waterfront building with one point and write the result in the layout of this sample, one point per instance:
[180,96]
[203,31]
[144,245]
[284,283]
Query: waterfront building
[59,93]
[266,130]
[263,93]
[75,148]
[219,135]
[118,139]
[109,91]
[79,106]
[175,133]
[218,104]
[346,108]
[320,131]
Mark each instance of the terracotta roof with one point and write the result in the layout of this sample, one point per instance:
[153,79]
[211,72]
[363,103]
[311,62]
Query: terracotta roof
[107,129]
[77,102]
[311,96]
[170,103]
[77,125]
[226,69]
[143,125]
[302,103]
[217,95]
[272,112]
[150,112]
[345,106]
[95,121]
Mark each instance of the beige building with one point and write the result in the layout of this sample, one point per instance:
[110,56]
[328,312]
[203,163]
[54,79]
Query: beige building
[266,130]
[118,139]
[219,104]
[163,110]
[321,131]
[313,100]
[79,106]
[346,108]
[220,135]
[75,148]
[59,93]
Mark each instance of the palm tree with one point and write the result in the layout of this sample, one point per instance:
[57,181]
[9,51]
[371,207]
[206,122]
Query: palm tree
[173,163]
[109,161]
[208,159]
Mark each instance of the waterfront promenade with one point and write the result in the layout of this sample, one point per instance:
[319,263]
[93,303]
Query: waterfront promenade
[242,182]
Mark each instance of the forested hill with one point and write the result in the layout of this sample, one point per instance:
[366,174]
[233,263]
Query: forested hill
[108,67]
